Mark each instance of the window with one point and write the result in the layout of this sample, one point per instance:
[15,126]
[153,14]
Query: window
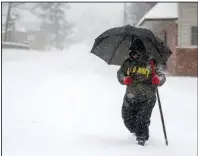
[194,34]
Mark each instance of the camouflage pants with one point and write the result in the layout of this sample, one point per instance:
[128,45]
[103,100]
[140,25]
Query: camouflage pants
[136,116]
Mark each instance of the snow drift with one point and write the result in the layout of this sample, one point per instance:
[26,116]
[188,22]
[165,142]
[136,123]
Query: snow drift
[69,103]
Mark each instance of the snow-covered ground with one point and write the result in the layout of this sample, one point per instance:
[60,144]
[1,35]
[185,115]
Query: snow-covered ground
[69,104]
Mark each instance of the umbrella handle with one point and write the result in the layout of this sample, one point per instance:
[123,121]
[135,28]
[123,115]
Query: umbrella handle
[152,68]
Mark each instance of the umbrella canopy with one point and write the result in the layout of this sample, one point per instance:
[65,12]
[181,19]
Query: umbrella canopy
[112,45]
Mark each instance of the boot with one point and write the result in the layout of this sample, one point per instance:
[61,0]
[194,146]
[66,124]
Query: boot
[141,140]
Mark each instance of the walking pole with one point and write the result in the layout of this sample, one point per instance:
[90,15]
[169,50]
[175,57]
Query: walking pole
[160,107]
[162,118]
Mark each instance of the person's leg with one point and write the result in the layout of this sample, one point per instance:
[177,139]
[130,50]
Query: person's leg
[129,115]
[143,119]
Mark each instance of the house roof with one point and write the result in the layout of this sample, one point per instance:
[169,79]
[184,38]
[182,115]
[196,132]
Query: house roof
[161,11]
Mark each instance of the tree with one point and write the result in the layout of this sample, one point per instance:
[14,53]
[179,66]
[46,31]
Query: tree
[54,22]
[7,22]
[12,15]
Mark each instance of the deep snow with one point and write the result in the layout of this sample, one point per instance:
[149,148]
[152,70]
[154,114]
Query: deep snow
[69,104]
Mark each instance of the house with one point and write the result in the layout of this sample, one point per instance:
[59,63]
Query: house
[37,39]
[187,49]
[34,38]
[176,24]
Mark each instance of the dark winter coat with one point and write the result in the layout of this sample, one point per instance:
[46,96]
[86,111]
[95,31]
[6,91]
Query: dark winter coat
[142,88]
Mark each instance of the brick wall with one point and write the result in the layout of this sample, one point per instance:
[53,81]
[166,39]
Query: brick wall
[186,62]
[169,34]
[183,61]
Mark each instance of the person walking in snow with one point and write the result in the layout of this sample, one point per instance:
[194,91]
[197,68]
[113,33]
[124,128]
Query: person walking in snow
[141,84]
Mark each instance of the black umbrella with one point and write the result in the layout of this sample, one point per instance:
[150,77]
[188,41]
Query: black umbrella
[112,45]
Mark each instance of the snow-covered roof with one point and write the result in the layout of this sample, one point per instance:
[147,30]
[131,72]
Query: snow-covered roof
[161,11]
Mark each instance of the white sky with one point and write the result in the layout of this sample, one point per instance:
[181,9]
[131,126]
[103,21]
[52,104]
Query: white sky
[111,11]
[94,18]
[90,19]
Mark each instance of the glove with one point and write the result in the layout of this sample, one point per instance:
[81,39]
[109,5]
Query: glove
[155,80]
[127,80]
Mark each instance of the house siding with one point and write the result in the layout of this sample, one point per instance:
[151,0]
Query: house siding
[187,18]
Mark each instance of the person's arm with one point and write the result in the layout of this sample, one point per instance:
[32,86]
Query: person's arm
[122,72]
[160,75]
